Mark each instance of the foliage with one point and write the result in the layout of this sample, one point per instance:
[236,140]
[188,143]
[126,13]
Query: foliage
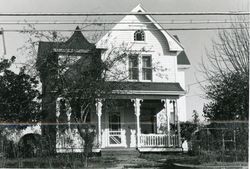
[229,98]
[195,116]
[228,75]
[221,142]
[87,133]
[18,95]
[187,129]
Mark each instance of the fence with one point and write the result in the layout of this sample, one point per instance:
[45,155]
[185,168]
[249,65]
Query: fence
[221,142]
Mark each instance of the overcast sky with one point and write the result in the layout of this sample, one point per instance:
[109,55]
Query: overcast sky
[194,42]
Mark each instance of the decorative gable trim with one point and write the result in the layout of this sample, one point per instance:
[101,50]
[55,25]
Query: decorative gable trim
[174,45]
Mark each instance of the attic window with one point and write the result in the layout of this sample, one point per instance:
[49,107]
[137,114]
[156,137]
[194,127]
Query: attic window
[139,35]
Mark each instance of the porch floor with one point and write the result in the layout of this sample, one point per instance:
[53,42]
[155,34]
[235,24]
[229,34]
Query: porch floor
[119,151]
[158,149]
[136,151]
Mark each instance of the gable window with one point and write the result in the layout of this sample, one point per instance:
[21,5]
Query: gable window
[139,35]
[146,68]
[133,67]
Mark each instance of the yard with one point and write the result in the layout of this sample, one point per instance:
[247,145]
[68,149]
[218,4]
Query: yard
[173,161]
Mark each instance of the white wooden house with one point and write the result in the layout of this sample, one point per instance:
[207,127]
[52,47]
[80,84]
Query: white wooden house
[149,111]
[156,63]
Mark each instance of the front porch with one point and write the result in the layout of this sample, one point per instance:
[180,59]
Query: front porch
[145,118]
[147,125]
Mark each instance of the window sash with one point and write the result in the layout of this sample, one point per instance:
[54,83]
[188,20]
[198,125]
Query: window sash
[139,35]
[146,68]
[133,74]
[133,67]
[146,73]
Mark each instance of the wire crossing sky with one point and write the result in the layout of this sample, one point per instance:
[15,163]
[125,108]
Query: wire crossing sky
[125,13]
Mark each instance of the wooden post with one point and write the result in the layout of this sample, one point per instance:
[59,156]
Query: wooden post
[176,113]
[166,107]
[4,47]
[137,105]
[235,150]
[223,147]
[99,114]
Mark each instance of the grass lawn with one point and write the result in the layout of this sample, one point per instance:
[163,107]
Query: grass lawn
[61,161]
[173,161]
[181,161]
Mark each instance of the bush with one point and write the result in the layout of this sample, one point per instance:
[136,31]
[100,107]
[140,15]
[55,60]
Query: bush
[225,141]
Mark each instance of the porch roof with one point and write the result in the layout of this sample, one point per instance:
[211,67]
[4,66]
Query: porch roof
[150,90]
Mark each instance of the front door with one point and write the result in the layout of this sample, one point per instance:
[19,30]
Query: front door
[116,133]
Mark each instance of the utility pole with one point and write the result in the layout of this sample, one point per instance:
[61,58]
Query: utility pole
[4,47]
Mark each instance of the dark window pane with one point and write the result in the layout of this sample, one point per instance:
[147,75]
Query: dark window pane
[114,121]
[139,35]
[133,67]
[146,68]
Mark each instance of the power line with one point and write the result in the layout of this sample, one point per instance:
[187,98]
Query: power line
[131,22]
[191,84]
[101,30]
[126,13]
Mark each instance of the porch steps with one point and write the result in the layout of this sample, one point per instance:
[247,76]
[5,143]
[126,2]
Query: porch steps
[119,152]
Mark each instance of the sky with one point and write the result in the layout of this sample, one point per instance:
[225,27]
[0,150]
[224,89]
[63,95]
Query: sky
[195,42]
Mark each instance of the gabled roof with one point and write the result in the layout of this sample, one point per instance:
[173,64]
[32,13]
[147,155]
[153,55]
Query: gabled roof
[173,44]
[182,58]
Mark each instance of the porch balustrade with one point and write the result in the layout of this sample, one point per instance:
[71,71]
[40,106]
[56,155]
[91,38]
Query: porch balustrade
[158,140]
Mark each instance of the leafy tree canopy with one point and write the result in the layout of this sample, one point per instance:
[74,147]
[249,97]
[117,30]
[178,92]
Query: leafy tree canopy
[229,98]
[18,95]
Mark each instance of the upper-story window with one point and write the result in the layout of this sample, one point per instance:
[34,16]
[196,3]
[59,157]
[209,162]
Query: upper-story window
[146,68]
[133,67]
[139,35]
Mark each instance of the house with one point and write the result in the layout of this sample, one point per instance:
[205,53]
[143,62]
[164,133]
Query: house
[152,102]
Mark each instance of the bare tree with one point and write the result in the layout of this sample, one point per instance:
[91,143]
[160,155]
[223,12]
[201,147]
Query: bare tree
[227,73]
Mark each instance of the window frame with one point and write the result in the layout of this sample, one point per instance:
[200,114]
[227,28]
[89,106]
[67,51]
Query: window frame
[147,68]
[134,69]
[139,31]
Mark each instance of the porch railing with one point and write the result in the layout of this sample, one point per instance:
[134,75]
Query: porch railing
[159,140]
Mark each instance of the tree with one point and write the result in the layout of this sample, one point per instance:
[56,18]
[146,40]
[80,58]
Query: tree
[19,97]
[79,79]
[227,73]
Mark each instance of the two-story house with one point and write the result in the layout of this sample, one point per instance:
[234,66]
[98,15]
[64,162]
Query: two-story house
[152,101]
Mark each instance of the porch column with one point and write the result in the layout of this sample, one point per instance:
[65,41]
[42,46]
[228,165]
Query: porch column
[99,114]
[166,104]
[137,105]
[58,100]
[176,112]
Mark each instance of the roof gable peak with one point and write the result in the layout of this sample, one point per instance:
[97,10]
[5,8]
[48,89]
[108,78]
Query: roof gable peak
[139,8]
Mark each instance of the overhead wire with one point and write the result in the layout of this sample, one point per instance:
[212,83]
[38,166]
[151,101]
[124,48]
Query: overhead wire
[98,30]
[129,22]
[126,13]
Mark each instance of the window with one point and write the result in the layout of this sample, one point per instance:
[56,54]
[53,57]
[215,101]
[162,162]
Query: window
[139,35]
[133,67]
[172,117]
[115,121]
[146,68]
